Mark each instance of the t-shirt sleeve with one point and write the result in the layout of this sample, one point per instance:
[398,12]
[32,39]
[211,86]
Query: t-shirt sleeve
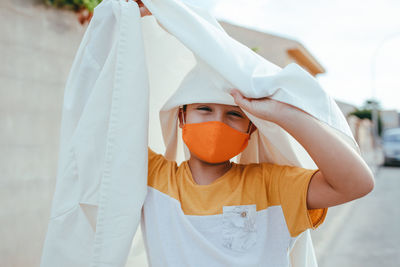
[290,185]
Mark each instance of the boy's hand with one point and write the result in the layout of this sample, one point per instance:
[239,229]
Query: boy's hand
[264,108]
[143,9]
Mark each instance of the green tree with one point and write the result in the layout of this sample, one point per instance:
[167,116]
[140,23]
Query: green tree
[74,4]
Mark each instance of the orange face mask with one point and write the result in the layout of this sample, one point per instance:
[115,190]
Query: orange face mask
[214,141]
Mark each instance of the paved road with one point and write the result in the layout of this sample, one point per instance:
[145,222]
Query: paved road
[364,232]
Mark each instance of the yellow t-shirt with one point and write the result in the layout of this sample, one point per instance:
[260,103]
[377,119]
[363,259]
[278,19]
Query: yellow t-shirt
[227,216]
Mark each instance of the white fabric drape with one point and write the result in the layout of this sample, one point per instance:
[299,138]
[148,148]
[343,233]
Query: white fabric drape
[123,74]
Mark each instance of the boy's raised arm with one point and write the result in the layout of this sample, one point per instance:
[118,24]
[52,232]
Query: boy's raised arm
[343,175]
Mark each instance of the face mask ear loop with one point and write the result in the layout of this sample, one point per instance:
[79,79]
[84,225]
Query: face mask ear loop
[248,128]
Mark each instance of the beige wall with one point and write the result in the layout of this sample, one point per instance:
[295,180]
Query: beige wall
[37,45]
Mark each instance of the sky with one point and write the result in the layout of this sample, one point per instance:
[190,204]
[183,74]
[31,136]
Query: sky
[357,42]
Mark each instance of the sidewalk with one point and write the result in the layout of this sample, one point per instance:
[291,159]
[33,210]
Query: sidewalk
[363,232]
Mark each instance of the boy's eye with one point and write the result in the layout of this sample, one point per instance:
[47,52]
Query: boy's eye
[204,108]
[237,114]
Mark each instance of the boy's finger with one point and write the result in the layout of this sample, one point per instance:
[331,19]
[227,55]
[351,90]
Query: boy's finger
[236,93]
[139,2]
[240,100]
[143,9]
[144,12]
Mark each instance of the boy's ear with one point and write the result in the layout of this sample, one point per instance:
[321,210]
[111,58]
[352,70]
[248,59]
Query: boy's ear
[180,117]
[252,128]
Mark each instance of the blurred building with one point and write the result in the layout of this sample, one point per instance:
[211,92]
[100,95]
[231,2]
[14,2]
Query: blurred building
[390,118]
[279,50]
[346,108]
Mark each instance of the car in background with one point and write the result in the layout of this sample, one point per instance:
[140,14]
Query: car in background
[391,146]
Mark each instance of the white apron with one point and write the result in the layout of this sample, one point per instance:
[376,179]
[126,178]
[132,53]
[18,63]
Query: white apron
[123,73]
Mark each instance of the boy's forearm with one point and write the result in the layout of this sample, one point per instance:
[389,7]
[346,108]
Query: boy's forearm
[342,167]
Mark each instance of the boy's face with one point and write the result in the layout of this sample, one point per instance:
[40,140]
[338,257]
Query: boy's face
[203,112]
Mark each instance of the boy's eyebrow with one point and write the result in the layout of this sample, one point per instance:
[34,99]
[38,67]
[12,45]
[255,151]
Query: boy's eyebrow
[238,109]
[231,107]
